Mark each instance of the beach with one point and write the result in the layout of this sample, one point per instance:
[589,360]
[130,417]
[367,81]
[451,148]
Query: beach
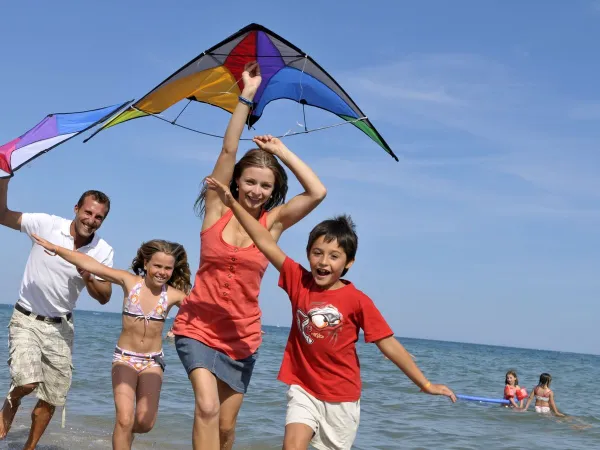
[393,413]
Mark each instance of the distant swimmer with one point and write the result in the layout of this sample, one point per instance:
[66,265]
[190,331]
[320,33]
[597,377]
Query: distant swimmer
[170,336]
[512,390]
[544,397]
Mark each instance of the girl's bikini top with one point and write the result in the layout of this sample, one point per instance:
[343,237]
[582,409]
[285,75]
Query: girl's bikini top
[132,305]
[540,398]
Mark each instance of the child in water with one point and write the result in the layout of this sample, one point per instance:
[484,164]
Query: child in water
[544,397]
[161,279]
[512,390]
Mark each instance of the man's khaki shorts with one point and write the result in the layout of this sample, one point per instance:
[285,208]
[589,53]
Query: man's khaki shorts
[334,424]
[40,352]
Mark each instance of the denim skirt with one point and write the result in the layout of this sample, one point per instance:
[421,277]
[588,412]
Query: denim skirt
[236,373]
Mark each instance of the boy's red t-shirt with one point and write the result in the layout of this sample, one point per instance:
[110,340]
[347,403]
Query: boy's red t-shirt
[320,354]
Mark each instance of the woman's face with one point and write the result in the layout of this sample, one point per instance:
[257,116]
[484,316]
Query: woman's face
[255,186]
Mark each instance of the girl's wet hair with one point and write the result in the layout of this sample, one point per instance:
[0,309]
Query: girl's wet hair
[514,374]
[545,379]
[342,229]
[180,279]
[253,158]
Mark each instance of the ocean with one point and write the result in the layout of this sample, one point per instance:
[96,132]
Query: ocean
[393,415]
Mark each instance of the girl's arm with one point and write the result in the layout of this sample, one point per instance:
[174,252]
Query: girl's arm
[223,169]
[512,402]
[301,205]
[175,297]
[553,406]
[259,234]
[396,353]
[531,396]
[86,262]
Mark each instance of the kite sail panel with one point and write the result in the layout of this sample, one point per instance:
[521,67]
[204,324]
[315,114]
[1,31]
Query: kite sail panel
[215,77]
[53,130]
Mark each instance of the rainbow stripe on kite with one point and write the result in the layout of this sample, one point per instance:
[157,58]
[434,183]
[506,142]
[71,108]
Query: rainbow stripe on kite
[53,130]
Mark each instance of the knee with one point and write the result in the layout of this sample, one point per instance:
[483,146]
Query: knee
[207,410]
[125,421]
[144,423]
[226,430]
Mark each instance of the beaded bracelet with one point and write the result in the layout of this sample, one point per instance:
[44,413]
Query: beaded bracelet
[246,102]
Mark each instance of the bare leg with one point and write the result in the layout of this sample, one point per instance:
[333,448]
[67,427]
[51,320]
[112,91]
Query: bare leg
[148,395]
[297,436]
[40,418]
[231,402]
[206,414]
[10,407]
[124,380]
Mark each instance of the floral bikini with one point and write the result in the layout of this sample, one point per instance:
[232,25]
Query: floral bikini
[132,308]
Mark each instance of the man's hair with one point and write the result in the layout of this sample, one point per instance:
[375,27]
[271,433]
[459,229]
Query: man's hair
[98,196]
[342,229]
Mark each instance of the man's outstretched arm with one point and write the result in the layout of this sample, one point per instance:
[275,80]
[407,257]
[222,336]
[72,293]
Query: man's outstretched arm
[8,218]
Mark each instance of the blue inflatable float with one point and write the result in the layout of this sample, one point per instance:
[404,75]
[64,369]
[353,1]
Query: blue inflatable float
[471,398]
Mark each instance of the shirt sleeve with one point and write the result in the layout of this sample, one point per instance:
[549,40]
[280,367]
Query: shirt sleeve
[35,223]
[372,321]
[290,278]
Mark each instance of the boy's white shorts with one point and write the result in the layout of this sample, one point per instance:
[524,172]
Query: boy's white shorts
[334,424]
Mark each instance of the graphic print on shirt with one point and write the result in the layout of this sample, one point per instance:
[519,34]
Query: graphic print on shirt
[319,322]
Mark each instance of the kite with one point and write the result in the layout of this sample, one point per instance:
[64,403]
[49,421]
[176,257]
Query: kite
[215,77]
[52,131]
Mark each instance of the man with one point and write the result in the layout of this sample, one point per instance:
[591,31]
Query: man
[41,326]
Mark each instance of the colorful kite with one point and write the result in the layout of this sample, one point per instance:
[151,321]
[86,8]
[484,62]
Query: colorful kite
[215,77]
[50,132]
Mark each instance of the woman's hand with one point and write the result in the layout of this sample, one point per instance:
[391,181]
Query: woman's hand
[252,79]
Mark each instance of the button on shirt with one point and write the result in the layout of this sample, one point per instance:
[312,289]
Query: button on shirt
[51,285]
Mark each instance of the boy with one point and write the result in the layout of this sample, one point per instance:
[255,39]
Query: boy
[320,363]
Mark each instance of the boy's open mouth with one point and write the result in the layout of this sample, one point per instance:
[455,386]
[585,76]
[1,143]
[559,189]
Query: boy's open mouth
[323,272]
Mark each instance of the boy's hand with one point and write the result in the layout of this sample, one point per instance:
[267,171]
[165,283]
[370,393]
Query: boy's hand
[440,389]
[222,191]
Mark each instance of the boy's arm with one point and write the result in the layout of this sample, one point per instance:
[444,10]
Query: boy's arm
[396,353]
[259,234]
[8,218]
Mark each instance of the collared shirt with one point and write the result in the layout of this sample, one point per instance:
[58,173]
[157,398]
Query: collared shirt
[51,285]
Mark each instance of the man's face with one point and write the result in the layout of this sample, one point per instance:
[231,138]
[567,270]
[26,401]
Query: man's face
[89,217]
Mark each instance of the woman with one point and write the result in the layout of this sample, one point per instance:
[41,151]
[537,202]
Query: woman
[217,330]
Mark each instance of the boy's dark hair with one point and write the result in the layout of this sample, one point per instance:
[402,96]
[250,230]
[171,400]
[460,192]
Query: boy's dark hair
[100,197]
[342,229]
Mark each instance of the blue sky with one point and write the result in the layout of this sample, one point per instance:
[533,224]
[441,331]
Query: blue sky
[487,229]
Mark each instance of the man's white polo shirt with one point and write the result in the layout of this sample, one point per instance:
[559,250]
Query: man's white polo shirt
[51,285]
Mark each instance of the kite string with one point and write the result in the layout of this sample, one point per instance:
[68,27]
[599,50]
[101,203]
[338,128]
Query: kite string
[359,119]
